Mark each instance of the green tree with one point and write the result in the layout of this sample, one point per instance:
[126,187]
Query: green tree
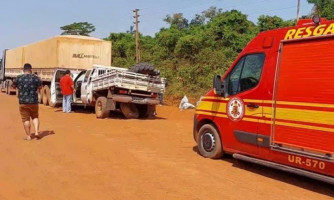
[266,22]
[323,8]
[177,20]
[188,46]
[78,28]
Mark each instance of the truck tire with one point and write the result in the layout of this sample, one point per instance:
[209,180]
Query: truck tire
[145,68]
[40,96]
[9,86]
[130,110]
[6,87]
[209,143]
[146,111]
[101,108]
[45,91]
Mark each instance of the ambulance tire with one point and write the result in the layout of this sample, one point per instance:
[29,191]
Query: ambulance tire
[45,92]
[101,111]
[130,110]
[209,143]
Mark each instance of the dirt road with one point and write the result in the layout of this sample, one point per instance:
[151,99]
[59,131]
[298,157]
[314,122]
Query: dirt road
[115,158]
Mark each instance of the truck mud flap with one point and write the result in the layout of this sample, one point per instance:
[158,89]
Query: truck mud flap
[285,168]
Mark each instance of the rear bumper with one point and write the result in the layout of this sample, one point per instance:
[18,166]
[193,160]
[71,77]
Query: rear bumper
[136,100]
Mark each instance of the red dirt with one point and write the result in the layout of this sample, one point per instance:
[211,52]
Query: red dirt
[116,158]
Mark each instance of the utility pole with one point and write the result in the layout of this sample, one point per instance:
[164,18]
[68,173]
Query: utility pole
[298,7]
[135,12]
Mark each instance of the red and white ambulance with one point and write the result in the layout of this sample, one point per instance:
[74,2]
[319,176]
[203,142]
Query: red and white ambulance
[275,104]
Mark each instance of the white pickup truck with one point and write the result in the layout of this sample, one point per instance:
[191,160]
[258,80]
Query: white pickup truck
[112,88]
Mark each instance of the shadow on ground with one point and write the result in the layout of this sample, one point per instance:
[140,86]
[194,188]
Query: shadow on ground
[42,134]
[292,179]
[113,114]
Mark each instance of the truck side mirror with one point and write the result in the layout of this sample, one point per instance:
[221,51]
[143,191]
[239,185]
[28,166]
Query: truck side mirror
[218,85]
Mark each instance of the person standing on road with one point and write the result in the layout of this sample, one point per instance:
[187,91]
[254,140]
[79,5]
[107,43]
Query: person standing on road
[67,89]
[28,84]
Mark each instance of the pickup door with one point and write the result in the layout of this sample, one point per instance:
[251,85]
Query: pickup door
[86,88]
[56,96]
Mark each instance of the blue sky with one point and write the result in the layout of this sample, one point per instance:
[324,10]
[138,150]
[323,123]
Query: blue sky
[26,21]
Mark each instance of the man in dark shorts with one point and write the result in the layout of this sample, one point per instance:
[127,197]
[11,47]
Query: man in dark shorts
[27,85]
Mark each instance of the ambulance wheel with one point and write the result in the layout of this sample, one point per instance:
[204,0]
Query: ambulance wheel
[130,110]
[209,143]
[101,108]
[45,92]
[40,96]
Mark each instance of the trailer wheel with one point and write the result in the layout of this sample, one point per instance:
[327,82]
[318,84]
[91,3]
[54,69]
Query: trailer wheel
[45,92]
[40,95]
[130,110]
[209,143]
[9,86]
[146,111]
[101,108]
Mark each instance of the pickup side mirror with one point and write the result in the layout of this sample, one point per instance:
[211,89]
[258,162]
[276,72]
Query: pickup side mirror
[218,85]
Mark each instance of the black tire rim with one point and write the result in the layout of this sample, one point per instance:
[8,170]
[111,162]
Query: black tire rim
[208,142]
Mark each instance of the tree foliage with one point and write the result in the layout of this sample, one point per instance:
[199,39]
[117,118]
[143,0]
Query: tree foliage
[266,22]
[78,28]
[323,8]
[190,54]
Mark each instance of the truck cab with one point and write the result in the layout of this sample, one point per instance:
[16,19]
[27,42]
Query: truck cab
[275,105]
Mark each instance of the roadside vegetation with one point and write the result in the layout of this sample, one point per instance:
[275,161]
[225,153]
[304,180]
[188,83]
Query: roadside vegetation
[189,52]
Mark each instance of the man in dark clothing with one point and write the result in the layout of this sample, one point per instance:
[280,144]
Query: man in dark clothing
[27,85]
[67,89]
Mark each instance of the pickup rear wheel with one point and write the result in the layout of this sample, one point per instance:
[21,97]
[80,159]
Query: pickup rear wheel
[101,108]
[146,111]
[130,110]
[209,143]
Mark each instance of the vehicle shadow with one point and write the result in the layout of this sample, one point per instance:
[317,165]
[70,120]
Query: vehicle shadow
[43,134]
[288,178]
[112,115]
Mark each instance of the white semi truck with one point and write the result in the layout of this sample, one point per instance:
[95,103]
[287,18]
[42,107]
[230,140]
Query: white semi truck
[134,92]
